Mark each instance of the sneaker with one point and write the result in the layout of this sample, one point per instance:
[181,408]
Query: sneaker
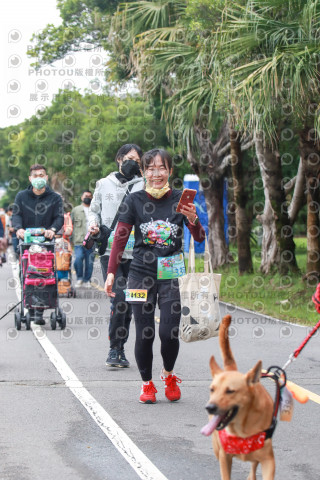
[147,394]
[87,284]
[78,283]
[123,361]
[113,359]
[172,391]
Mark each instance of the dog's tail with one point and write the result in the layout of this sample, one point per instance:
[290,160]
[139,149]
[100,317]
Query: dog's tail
[228,359]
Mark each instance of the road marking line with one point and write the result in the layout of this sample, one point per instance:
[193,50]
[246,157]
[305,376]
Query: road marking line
[132,454]
[145,469]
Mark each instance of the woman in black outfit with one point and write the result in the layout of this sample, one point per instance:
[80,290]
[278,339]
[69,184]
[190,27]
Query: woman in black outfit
[157,263]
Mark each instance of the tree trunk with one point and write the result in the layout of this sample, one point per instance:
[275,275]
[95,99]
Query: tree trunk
[57,182]
[243,226]
[214,198]
[310,154]
[277,232]
[299,196]
[206,166]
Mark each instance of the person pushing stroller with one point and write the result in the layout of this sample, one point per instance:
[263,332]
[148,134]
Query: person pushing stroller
[37,206]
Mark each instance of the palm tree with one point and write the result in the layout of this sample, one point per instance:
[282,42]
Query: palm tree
[171,61]
[274,43]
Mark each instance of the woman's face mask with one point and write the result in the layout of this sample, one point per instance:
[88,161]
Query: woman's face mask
[129,168]
[39,182]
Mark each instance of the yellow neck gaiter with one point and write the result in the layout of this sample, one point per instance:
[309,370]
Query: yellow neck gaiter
[158,192]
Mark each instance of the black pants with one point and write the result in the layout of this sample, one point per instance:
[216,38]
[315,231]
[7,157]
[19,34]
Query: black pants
[168,295]
[121,311]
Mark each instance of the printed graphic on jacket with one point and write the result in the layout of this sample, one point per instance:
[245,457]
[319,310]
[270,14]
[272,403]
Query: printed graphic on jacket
[159,233]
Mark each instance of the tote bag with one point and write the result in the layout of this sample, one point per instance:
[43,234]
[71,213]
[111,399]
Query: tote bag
[200,313]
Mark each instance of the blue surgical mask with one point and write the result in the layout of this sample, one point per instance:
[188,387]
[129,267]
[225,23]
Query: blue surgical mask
[38,183]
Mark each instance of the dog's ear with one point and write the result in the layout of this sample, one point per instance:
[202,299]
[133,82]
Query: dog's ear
[253,376]
[214,366]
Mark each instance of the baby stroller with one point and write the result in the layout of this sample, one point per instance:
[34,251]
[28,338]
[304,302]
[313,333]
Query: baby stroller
[63,266]
[38,278]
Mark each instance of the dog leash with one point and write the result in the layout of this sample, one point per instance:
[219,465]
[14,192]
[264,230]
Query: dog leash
[14,306]
[281,374]
[298,350]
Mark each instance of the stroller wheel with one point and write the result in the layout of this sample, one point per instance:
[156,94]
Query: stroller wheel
[53,320]
[63,320]
[17,320]
[28,321]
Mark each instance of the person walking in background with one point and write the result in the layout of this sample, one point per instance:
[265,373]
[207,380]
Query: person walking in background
[316,298]
[3,219]
[84,258]
[37,206]
[107,198]
[11,231]
[3,242]
[157,253]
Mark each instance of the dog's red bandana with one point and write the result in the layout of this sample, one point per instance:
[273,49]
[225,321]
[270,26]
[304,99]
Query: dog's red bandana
[237,445]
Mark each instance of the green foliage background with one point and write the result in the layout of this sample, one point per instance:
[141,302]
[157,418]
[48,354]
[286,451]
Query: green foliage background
[77,138]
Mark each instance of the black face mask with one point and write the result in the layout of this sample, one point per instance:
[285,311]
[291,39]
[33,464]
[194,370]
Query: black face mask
[129,168]
[87,200]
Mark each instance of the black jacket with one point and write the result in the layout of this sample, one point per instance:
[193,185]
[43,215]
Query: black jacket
[30,210]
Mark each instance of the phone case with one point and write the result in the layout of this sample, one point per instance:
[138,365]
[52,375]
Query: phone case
[187,196]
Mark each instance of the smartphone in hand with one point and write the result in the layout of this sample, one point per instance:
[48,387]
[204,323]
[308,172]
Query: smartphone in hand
[187,196]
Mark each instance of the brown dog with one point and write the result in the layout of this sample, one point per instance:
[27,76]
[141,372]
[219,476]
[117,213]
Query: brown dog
[239,406]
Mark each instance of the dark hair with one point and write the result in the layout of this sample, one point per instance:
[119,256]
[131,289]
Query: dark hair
[149,156]
[122,152]
[37,166]
[86,191]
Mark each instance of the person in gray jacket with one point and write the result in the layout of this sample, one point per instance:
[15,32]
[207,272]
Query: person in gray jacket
[83,262]
[107,198]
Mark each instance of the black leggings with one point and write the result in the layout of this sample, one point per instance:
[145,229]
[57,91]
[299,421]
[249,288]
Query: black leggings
[121,311]
[170,313]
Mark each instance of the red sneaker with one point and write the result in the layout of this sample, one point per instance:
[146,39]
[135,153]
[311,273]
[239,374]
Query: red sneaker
[147,394]
[172,391]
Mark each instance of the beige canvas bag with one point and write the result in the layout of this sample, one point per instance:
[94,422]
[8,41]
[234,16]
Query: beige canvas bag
[200,312]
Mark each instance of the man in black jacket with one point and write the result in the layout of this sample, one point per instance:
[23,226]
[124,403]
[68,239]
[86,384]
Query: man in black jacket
[37,206]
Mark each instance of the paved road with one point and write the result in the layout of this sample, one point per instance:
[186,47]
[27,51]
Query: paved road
[47,433]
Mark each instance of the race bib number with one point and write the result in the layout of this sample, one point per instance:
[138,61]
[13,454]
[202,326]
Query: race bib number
[171,267]
[133,295]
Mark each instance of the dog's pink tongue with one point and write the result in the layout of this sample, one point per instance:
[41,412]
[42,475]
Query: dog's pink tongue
[211,426]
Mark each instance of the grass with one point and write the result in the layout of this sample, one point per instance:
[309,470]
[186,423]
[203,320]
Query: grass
[285,297]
